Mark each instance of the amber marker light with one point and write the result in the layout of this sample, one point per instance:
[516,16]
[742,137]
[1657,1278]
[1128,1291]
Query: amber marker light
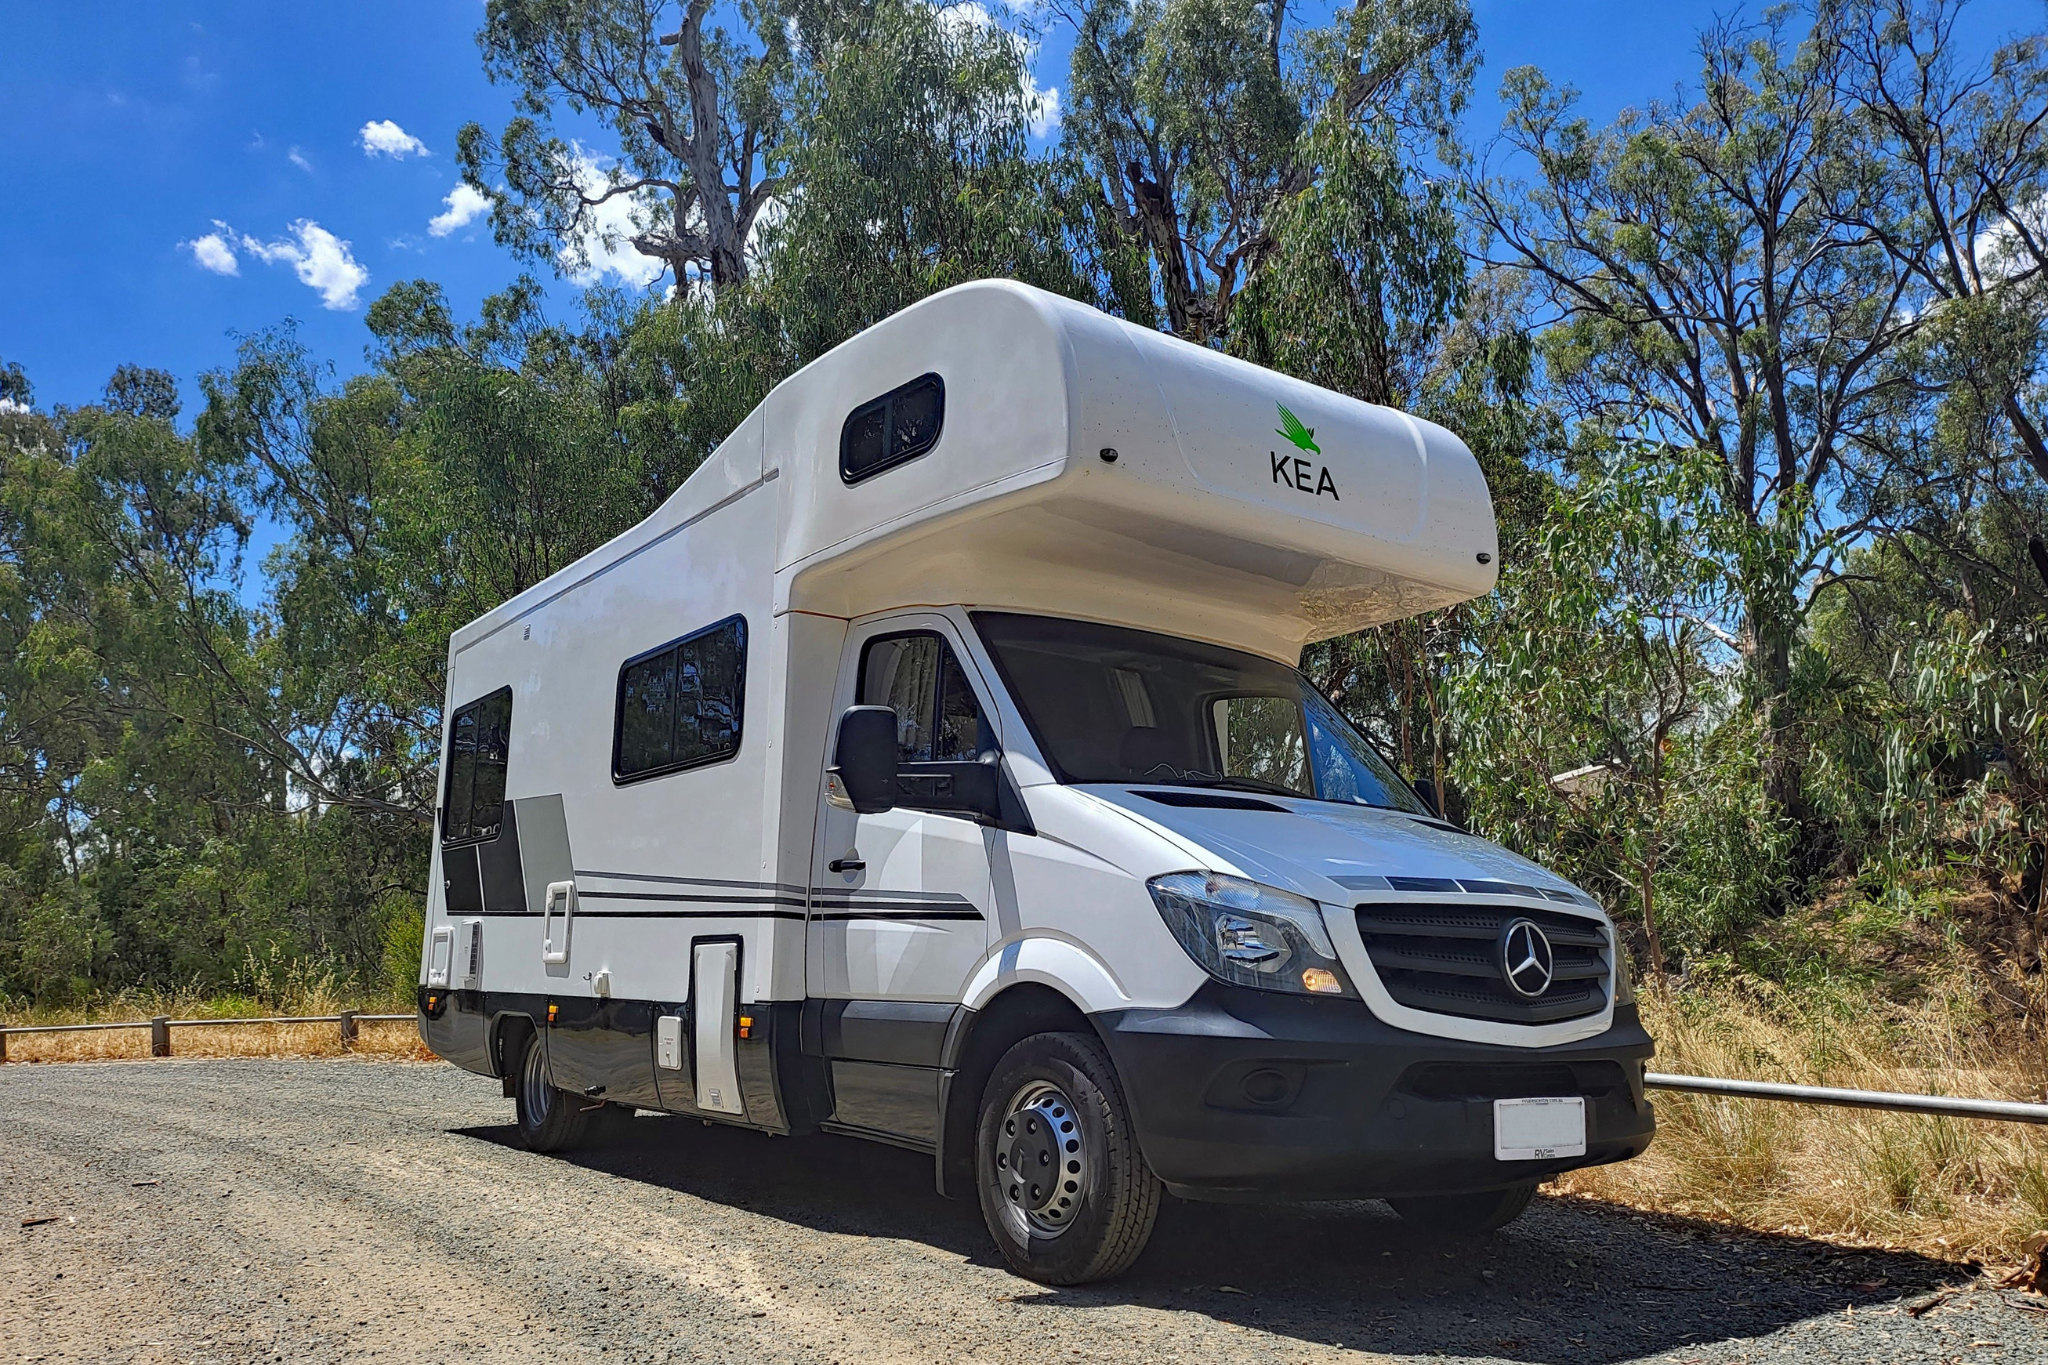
[746,1026]
[552,1010]
[1321,980]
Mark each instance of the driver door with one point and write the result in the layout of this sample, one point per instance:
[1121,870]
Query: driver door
[900,898]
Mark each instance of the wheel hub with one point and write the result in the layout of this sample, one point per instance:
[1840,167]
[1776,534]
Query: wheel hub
[1040,1159]
[536,1094]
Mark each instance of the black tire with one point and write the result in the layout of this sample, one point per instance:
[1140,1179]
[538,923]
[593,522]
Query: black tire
[1054,1102]
[1465,1213]
[550,1120]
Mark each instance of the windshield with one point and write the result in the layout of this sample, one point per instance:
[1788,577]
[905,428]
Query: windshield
[1114,705]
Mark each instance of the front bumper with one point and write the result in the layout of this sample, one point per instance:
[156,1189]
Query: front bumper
[1245,1094]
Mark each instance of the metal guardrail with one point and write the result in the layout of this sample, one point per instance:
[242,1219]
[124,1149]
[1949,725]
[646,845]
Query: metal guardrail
[160,1027]
[2009,1110]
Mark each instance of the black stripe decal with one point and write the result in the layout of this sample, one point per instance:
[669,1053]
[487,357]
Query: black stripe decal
[913,912]
[687,899]
[920,913]
[788,888]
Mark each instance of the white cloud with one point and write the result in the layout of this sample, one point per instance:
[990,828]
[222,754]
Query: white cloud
[321,260]
[1044,105]
[214,253]
[298,159]
[465,204]
[966,15]
[385,137]
[606,247]
[969,16]
[9,405]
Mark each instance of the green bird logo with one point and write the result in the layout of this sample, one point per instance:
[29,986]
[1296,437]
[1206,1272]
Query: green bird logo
[1304,438]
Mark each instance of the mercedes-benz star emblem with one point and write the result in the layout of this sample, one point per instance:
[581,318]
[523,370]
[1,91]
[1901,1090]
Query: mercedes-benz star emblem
[1526,962]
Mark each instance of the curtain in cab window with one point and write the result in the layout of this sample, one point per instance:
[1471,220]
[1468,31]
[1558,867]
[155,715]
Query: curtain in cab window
[937,717]
[682,705]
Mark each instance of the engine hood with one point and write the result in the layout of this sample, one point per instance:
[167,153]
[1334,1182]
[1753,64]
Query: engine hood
[1326,850]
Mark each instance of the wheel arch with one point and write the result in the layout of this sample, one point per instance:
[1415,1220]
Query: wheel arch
[976,1042]
[507,1031]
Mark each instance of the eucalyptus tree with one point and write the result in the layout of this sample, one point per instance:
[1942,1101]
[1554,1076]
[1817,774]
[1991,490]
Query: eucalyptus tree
[1962,150]
[1187,120]
[910,129]
[1594,729]
[693,103]
[1708,283]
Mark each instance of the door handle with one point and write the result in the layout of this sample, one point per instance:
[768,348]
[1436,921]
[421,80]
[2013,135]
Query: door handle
[847,865]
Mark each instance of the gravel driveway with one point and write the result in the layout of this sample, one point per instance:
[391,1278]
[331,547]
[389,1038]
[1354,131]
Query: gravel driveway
[352,1210]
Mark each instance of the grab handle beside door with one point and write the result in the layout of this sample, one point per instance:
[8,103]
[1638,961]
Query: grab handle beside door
[553,953]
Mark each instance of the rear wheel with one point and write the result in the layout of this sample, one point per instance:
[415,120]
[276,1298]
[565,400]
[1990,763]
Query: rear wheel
[1063,1187]
[1482,1212]
[550,1120]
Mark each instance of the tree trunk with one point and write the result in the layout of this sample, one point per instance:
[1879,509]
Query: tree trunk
[1646,892]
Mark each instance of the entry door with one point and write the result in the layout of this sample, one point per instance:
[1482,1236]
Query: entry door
[900,907]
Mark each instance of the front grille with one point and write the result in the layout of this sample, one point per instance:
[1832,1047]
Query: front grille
[1443,958]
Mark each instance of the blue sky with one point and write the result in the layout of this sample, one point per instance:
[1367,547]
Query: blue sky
[143,141]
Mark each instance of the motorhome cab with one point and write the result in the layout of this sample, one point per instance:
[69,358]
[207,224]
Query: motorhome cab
[933,767]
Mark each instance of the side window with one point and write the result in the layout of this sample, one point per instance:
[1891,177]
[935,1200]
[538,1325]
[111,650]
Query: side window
[479,741]
[898,427]
[1261,737]
[681,705]
[937,716]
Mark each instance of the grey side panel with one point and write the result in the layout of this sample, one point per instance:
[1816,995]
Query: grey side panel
[498,859]
[543,846]
[461,889]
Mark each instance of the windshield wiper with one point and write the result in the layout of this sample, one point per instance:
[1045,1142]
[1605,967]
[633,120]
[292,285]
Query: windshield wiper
[1249,784]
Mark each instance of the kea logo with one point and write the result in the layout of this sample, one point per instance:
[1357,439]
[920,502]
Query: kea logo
[1302,438]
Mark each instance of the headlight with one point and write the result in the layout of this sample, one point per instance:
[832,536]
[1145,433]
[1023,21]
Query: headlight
[1250,935]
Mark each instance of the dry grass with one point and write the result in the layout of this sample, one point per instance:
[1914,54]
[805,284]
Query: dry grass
[390,1041]
[1956,1188]
[269,988]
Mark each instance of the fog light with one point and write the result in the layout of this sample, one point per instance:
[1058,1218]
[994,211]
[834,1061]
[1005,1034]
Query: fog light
[1321,980]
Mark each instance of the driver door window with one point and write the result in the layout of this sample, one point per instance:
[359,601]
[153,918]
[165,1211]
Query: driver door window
[1261,738]
[938,719]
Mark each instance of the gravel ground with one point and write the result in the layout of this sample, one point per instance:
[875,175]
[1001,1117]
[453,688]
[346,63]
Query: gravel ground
[318,1211]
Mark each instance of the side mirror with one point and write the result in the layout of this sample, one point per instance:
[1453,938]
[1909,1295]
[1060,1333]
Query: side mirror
[864,760]
[1426,789]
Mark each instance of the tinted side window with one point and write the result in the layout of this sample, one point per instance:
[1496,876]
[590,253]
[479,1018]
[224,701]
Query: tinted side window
[682,704]
[937,716]
[479,744]
[887,431]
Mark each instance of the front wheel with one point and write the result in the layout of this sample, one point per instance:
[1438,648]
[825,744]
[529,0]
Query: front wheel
[1467,1213]
[550,1120]
[1063,1187]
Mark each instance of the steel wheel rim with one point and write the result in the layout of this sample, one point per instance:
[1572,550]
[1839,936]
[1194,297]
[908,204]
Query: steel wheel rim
[536,1096]
[1041,1160]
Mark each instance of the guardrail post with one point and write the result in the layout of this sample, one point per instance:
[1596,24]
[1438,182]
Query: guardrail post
[348,1029]
[3,1048]
[160,1036]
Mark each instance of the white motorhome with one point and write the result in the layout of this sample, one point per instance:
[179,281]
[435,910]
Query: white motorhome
[933,767]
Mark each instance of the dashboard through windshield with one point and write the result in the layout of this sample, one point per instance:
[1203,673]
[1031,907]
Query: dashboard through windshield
[1108,704]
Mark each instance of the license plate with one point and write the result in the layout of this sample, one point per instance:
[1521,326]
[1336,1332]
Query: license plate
[1539,1129]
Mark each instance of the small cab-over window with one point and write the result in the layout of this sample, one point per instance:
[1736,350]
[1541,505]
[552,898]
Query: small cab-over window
[681,705]
[479,738]
[900,425]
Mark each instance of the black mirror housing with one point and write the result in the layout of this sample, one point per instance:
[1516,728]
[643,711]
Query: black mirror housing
[864,759]
[1426,789]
